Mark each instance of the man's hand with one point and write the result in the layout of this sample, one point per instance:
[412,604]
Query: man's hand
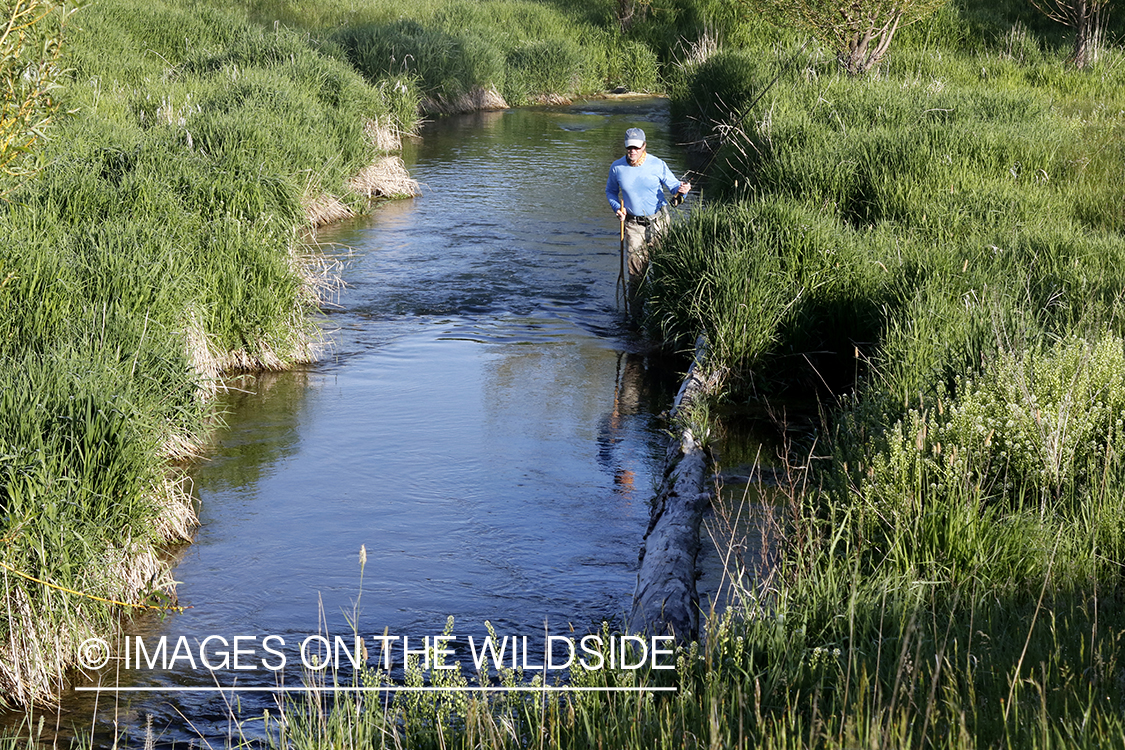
[678,196]
[621,213]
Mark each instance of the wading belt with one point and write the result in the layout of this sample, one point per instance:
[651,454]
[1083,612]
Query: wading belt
[644,221]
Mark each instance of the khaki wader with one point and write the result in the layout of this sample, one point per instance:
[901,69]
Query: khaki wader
[638,239]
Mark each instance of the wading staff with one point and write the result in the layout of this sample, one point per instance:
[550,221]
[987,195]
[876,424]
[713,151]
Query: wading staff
[622,280]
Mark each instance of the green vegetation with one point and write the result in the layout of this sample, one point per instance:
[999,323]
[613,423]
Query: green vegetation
[524,51]
[934,250]
[160,247]
[860,32]
[156,249]
[830,673]
[30,42]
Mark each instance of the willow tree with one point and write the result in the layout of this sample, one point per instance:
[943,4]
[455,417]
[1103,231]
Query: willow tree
[30,74]
[860,31]
[1086,17]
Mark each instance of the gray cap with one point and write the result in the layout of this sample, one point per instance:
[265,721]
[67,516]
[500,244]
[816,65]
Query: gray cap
[634,137]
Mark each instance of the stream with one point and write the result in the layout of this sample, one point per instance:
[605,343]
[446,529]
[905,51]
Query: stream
[484,428]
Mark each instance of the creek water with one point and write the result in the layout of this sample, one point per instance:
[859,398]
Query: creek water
[485,427]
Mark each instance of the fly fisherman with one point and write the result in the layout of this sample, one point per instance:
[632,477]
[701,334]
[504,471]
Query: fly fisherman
[635,190]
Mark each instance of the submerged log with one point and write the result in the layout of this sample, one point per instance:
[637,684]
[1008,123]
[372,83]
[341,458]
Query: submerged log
[666,601]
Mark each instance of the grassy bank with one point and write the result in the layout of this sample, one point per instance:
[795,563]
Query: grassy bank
[933,253]
[462,55]
[467,55]
[157,249]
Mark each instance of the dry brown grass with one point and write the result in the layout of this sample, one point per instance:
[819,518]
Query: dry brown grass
[386,178]
[210,364]
[383,136]
[474,101]
[326,209]
[47,625]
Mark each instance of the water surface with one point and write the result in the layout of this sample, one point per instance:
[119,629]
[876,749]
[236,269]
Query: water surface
[485,427]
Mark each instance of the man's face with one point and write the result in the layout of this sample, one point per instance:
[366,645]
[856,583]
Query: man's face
[633,154]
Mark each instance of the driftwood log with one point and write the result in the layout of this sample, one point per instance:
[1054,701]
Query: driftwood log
[666,601]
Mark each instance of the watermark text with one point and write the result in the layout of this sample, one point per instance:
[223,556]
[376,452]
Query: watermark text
[273,653]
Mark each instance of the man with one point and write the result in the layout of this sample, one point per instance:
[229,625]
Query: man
[635,190]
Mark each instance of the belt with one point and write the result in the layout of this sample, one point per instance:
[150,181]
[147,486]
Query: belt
[644,221]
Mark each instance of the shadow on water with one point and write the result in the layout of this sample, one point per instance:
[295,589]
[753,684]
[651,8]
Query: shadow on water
[485,428]
[757,460]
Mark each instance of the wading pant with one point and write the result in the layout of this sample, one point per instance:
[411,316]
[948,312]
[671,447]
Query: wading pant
[638,240]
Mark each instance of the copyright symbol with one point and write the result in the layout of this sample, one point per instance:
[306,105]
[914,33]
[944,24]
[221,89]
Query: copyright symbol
[93,653]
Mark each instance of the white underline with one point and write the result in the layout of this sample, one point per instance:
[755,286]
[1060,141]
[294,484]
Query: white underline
[385,689]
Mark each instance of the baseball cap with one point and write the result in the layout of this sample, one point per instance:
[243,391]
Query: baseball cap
[634,137]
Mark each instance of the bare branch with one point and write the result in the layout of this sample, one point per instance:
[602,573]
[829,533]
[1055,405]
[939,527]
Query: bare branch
[1088,19]
[859,30]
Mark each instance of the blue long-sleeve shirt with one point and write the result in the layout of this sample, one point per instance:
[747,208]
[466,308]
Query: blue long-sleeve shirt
[641,187]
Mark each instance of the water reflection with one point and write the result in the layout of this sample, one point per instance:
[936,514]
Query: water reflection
[633,388]
[742,527]
[262,418]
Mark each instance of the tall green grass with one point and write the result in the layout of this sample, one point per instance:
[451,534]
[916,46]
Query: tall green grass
[958,200]
[823,654]
[936,248]
[935,252]
[523,49]
[156,249]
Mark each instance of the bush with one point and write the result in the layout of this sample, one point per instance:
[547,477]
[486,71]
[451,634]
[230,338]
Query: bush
[1038,428]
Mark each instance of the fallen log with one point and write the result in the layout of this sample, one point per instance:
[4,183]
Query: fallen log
[666,601]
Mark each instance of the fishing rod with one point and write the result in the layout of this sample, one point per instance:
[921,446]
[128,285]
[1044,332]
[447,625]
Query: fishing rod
[737,124]
[678,198]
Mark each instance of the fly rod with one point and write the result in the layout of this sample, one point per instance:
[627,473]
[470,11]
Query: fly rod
[737,124]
